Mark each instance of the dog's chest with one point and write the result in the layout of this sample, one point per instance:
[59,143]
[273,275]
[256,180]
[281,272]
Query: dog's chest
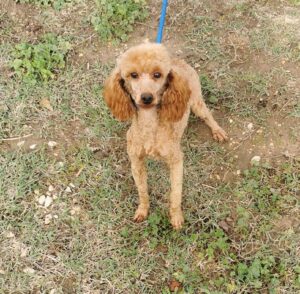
[154,142]
[148,136]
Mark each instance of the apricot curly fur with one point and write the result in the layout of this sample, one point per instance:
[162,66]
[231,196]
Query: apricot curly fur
[175,98]
[117,99]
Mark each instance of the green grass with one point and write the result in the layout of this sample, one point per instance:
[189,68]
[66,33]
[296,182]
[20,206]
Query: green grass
[295,2]
[113,20]
[56,4]
[241,232]
[23,103]
[296,111]
[41,61]
[98,243]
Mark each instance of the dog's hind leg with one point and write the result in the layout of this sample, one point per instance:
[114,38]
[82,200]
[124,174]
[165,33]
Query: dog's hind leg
[200,109]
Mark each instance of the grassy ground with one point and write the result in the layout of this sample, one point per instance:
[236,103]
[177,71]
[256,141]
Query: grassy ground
[66,207]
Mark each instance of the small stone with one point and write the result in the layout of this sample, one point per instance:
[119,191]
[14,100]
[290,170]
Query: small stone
[55,216]
[36,191]
[72,185]
[250,126]
[74,210]
[48,219]
[33,146]
[230,121]
[48,201]
[255,160]
[50,188]
[42,199]
[60,164]
[2,272]
[24,252]
[52,144]
[21,143]
[54,196]
[10,235]
[238,172]
[28,270]
[68,190]
[80,54]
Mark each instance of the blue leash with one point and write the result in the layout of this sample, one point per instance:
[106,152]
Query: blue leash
[162,21]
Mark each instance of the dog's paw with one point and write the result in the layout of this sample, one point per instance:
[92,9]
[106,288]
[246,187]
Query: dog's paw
[220,135]
[140,214]
[177,219]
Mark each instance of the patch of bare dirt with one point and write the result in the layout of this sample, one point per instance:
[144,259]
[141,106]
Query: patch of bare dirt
[70,135]
[22,19]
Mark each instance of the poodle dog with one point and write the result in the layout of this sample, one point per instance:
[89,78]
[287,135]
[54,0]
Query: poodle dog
[156,92]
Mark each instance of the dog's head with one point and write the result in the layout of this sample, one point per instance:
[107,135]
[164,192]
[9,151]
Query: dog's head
[144,79]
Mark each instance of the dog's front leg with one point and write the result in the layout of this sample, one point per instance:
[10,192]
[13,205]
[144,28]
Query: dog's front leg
[176,175]
[140,177]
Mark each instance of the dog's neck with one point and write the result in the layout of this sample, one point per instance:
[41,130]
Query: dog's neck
[147,119]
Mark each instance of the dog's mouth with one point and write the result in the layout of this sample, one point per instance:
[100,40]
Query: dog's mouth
[146,106]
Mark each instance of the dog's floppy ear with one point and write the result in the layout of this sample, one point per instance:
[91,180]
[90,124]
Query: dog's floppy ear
[117,98]
[175,98]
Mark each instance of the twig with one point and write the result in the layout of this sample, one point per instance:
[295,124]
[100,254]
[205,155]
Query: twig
[79,172]
[85,40]
[209,186]
[146,25]
[16,138]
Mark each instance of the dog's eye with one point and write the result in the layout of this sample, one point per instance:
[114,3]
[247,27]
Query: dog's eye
[134,75]
[157,75]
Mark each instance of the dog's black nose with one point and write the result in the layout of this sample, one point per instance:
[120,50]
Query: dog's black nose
[147,98]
